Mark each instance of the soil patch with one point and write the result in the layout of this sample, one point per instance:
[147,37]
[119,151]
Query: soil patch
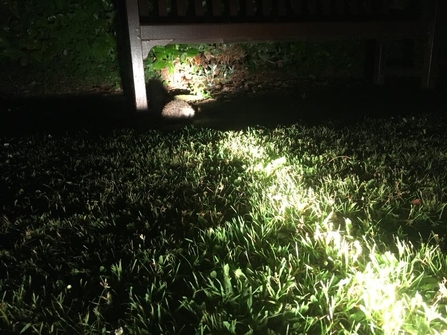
[341,102]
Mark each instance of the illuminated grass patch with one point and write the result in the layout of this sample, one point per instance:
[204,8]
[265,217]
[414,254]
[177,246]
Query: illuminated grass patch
[286,230]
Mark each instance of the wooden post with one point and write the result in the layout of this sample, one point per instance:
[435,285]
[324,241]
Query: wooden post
[427,80]
[379,62]
[139,84]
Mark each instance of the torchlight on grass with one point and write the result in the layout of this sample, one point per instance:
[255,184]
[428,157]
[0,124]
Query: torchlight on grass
[442,293]
[270,167]
[243,146]
[264,232]
[381,288]
[338,246]
[382,284]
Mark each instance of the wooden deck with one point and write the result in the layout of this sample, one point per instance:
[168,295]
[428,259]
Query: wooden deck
[161,22]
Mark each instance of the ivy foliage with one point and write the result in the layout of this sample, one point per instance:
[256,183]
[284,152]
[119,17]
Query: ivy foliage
[41,32]
[77,38]
[164,56]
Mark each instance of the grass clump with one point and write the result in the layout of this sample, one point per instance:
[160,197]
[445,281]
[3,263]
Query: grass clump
[281,230]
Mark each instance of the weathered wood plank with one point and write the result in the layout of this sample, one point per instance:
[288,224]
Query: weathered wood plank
[137,67]
[239,32]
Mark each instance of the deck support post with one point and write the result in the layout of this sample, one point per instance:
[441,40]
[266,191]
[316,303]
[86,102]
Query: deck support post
[138,80]
[428,80]
[379,62]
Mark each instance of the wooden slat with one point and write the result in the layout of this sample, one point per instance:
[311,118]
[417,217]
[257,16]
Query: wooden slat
[233,7]
[375,6]
[181,7]
[367,7]
[432,15]
[341,7]
[319,7]
[233,33]
[326,7]
[289,7]
[190,8]
[143,7]
[297,7]
[216,7]
[384,7]
[275,7]
[249,7]
[379,61]
[333,5]
[280,7]
[161,8]
[354,7]
[312,7]
[208,8]
[198,7]
[265,5]
[258,7]
[304,9]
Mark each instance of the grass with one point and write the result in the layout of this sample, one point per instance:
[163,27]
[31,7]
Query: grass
[277,230]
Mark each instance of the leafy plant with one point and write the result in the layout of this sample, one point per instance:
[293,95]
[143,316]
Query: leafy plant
[42,32]
[164,57]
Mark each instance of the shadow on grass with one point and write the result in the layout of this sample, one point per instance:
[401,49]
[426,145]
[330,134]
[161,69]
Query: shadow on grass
[327,104]
[98,114]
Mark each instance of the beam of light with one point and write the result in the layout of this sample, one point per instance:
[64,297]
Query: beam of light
[380,283]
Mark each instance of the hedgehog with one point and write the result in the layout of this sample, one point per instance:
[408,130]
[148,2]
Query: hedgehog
[178,109]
